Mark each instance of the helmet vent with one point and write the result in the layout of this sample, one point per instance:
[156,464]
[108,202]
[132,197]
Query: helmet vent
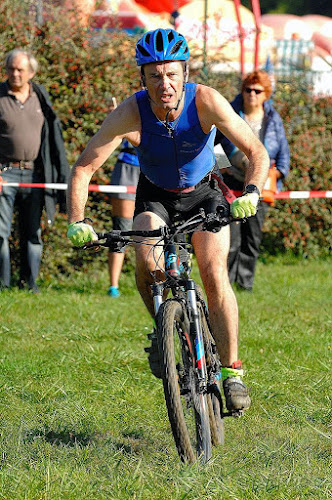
[176,47]
[143,51]
[147,38]
[170,36]
[159,42]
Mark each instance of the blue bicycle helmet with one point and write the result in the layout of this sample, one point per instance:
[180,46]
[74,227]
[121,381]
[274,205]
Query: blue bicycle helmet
[161,45]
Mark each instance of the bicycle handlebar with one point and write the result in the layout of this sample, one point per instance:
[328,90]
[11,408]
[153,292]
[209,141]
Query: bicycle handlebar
[117,239]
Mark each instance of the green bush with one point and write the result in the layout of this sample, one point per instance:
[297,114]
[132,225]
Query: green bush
[303,226]
[82,69]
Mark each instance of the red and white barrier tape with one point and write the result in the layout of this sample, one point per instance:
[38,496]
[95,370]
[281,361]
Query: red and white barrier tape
[62,187]
[283,195]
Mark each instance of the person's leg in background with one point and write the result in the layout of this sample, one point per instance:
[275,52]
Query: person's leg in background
[251,237]
[234,250]
[122,215]
[7,200]
[31,203]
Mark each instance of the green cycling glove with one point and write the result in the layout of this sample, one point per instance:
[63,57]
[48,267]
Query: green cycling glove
[245,206]
[81,233]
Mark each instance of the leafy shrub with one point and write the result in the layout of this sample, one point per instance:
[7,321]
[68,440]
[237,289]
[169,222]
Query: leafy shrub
[303,226]
[82,69]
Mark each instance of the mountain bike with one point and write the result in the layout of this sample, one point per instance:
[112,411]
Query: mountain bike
[190,364]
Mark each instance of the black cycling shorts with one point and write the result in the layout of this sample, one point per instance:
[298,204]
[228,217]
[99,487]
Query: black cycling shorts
[170,206]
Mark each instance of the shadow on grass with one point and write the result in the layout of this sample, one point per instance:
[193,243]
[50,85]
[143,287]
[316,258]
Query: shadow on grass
[132,443]
[60,438]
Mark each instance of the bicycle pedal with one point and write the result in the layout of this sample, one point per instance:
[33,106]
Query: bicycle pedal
[233,413]
[237,413]
[152,336]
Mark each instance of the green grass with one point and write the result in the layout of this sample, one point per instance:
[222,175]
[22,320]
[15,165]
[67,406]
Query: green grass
[81,417]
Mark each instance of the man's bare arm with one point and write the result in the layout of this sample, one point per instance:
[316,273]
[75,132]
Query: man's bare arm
[122,122]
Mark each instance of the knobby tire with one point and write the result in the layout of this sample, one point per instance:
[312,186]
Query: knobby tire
[214,399]
[185,405]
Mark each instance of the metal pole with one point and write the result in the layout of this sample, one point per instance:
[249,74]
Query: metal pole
[205,37]
[39,12]
[257,15]
[237,4]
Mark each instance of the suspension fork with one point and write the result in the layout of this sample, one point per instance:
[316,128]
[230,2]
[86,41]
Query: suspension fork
[171,269]
[157,294]
[197,333]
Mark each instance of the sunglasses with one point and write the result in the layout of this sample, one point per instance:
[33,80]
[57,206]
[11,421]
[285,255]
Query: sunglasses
[257,91]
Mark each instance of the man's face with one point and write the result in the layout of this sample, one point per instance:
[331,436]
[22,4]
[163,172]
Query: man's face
[19,72]
[164,82]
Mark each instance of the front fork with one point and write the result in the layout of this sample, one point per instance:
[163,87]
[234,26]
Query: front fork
[157,294]
[171,269]
[197,334]
[190,289]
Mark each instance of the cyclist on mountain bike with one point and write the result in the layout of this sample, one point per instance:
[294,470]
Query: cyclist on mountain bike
[172,125]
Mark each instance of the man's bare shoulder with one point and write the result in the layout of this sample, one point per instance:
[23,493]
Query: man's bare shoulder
[124,121]
[208,96]
[127,110]
[212,107]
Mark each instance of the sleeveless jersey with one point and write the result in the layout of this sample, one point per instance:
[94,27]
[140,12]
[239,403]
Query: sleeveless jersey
[181,156]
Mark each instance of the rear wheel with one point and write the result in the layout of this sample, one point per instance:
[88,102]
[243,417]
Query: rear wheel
[213,369]
[187,406]
[215,411]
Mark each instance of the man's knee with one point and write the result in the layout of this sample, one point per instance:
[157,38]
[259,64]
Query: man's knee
[147,220]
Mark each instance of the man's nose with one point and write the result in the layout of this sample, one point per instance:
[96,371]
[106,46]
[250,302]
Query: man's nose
[165,82]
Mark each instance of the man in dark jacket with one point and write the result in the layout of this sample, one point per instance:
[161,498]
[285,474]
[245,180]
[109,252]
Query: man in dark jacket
[31,151]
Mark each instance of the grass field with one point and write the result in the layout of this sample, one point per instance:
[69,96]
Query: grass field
[81,417]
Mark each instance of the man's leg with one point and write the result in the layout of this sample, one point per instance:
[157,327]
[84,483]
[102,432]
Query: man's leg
[211,251]
[146,258]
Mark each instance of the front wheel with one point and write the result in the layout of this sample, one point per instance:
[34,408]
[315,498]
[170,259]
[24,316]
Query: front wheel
[187,405]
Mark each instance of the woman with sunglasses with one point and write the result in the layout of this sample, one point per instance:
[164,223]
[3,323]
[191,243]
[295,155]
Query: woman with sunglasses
[255,107]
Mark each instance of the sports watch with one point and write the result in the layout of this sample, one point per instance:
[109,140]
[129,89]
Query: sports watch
[251,188]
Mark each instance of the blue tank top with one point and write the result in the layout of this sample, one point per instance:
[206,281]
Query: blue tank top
[180,158]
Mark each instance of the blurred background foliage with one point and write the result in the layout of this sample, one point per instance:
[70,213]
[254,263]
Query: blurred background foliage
[82,70]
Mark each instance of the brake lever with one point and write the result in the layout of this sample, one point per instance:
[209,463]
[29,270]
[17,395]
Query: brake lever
[92,244]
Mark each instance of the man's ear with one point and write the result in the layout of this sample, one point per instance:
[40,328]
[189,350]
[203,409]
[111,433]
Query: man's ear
[186,72]
[143,78]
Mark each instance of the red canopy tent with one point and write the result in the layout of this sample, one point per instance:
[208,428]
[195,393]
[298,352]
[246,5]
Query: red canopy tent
[169,6]
[130,16]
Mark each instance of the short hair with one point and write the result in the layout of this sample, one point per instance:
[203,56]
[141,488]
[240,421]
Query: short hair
[16,52]
[262,78]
